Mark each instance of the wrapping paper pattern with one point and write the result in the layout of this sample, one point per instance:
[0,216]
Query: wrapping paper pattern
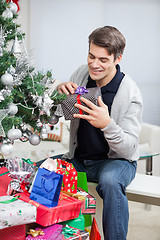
[68,208]
[13,233]
[4,181]
[89,205]
[16,213]
[50,233]
[69,183]
[67,104]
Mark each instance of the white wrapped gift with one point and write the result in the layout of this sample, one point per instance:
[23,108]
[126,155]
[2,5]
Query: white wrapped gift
[16,212]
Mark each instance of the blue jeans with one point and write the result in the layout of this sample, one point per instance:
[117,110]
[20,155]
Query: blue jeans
[112,176]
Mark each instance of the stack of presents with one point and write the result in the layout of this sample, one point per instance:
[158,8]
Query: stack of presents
[36,203]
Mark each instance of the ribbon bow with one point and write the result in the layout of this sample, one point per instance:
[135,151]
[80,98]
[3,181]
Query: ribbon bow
[29,161]
[68,232]
[81,90]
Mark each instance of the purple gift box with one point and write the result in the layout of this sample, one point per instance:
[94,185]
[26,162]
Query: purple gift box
[50,233]
[67,104]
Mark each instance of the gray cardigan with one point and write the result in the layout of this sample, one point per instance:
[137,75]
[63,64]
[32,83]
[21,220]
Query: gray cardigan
[122,133]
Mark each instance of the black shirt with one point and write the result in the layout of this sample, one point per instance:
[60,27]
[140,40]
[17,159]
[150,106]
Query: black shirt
[91,142]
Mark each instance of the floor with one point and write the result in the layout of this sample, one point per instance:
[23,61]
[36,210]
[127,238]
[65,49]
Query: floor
[144,222]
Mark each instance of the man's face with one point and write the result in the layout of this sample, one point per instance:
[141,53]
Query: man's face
[101,65]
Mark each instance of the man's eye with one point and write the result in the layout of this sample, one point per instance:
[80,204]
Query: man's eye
[92,57]
[103,60]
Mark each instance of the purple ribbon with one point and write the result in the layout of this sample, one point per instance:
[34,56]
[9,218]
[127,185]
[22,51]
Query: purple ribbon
[81,90]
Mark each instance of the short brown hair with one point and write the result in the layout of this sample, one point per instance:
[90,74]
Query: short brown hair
[110,38]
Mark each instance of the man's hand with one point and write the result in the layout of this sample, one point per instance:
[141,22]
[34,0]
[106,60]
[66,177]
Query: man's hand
[67,87]
[98,116]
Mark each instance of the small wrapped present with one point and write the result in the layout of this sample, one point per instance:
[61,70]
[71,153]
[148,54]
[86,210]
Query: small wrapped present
[15,212]
[67,104]
[13,233]
[68,208]
[88,201]
[46,187]
[4,181]
[69,183]
[22,172]
[45,233]
[89,205]
[71,233]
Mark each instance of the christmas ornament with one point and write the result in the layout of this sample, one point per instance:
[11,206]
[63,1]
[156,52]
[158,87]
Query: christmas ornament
[13,109]
[1,51]
[14,134]
[53,119]
[39,123]
[7,79]
[16,49]
[13,7]
[34,139]
[44,132]
[3,114]
[7,14]
[6,149]
[11,70]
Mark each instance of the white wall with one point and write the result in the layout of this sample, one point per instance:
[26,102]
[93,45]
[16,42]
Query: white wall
[58,34]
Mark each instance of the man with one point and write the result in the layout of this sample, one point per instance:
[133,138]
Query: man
[104,142]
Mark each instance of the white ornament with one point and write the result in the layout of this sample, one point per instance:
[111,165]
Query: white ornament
[13,7]
[1,51]
[13,109]
[6,149]
[14,134]
[34,139]
[16,49]
[7,79]
[44,133]
[7,13]
[11,70]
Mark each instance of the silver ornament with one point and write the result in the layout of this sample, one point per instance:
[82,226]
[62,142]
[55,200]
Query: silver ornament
[1,51]
[11,70]
[3,114]
[7,79]
[53,119]
[14,134]
[13,7]
[44,133]
[13,109]
[6,149]
[16,49]
[34,139]
[7,13]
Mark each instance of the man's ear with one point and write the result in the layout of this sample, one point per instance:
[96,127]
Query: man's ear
[118,59]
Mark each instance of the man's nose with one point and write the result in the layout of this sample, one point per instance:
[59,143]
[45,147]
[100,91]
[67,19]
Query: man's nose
[95,63]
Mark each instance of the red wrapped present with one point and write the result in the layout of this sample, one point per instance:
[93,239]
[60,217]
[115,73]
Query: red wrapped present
[68,208]
[13,233]
[69,183]
[4,181]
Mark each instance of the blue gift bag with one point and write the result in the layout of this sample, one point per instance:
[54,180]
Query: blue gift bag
[46,187]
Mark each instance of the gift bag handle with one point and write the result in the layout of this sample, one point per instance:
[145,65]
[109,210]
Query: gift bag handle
[46,177]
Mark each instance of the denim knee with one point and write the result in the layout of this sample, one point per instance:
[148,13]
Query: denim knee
[107,185]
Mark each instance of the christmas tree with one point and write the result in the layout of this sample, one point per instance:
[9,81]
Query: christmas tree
[27,98]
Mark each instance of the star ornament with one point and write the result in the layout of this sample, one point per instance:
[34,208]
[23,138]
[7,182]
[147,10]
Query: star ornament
[3,114]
